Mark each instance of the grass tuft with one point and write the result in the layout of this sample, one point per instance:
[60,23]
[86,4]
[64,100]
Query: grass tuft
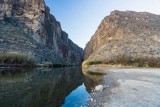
[13,58]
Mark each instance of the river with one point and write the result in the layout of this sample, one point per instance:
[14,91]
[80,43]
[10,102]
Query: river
[65,87]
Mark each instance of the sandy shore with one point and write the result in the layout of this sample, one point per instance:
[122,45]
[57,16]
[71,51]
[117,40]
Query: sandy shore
[127,87]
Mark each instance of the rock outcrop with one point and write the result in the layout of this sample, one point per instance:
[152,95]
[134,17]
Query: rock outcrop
[132,34]
[26,26]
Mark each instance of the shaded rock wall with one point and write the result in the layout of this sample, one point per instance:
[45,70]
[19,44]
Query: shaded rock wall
[32,20]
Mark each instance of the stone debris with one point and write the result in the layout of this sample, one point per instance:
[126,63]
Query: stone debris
[99,88]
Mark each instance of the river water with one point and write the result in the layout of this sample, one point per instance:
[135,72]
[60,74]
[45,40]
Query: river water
[58,87]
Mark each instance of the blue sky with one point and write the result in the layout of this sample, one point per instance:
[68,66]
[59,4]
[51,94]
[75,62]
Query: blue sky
[81,18]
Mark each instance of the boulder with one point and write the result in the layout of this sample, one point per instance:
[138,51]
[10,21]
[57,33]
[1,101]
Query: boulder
[99,88]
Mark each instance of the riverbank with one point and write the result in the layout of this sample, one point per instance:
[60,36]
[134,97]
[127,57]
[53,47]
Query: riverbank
[127,87]
[10,66]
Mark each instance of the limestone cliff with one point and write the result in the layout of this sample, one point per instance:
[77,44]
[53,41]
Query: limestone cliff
[135,34]
[26,26]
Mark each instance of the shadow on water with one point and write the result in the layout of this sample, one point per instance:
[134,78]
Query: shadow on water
[45,87]
[92,80]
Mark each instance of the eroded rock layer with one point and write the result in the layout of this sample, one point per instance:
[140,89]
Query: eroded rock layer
[26,26]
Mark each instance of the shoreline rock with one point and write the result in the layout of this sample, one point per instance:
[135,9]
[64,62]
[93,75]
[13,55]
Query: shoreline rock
[99,88]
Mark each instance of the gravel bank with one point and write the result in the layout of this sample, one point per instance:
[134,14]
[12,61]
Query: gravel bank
[128,87]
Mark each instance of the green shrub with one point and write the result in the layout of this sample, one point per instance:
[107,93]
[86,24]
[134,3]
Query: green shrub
[94,62]
[95,73]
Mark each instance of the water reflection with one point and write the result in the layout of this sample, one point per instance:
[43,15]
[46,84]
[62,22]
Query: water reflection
[77,98]
[92,80]
[44,87]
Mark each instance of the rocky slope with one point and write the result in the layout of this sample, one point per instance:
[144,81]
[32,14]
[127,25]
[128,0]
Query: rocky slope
[28,27]
[128,34]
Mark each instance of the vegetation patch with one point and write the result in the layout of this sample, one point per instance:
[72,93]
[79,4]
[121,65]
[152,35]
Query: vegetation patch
[51,65]
[16,59]
[94,62]
[129,61]
[132,61]
[95,73]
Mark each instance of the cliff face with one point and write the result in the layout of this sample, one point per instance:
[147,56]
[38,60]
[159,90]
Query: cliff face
[128,33]
[28,27]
